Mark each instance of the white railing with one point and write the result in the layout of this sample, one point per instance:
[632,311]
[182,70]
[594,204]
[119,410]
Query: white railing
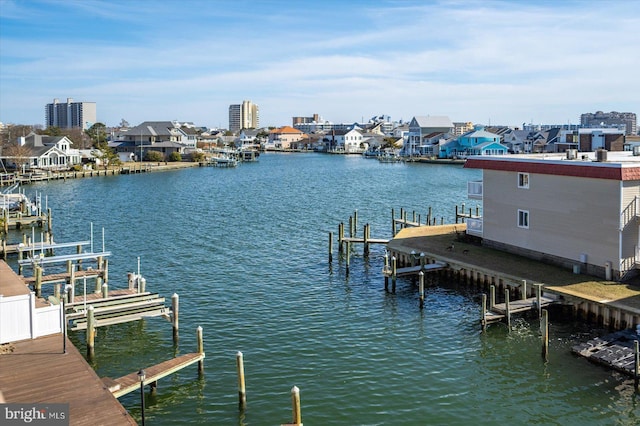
[474,227]
[20,319]
[474,190]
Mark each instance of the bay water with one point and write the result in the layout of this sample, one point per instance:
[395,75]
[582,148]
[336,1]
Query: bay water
[246,249]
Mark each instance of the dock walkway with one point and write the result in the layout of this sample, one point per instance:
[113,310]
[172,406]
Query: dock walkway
[131,382]
[37,371]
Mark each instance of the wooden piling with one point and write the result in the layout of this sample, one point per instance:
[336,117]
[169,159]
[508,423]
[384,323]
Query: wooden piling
[348,256]
[506,307]
[523,291]
[242,394]
[38,284]
[175,305]
[393,223]
[538,297]
[200,348]
[483,319]
[421,288]
[351,226]
[386,271]
[91,330]
[365,239]
[492,298]
[105,272]
[341,237]
[105,290]
[545,334]
[429,216]
[636,364]
[330,247]
[56,291]
[355,223]
[394,270]
[295,400]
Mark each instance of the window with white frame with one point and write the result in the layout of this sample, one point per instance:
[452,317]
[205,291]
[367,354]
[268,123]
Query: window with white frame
[523,180]
[523,219]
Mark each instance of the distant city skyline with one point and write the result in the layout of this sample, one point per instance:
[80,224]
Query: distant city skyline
[488,62]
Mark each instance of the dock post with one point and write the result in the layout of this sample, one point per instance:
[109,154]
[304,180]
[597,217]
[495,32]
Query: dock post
[105,272]
[538,297]
[413,217]
[404,219]
[105,290]
[365,238]
[99,278]
[175,304]
[492,298]
[49,225]
[91,331]
[242,394]
[545,335]
[386,271]
[394,271]
[295,399]
[636,364]
[483,319]
[429,216]
[421,288]
[351,226]
[4,249]
[506,307]
[330,246]
[355,223]
[200,349]
[523,295]
[348,256]
[340,237]
[56,291]
[456,213]
[38,284]
[393,223]
[79,262]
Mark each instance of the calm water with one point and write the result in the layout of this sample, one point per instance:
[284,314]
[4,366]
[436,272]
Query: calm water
[246,250]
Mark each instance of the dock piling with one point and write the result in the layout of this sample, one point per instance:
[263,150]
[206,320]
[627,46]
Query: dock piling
[421,288]
[545,334]
[91,331]
[295,399]
[330,246]
[506,307]
[483,320]
[394,271]
[200,349]
[175,305]
[636,364]
[242,394]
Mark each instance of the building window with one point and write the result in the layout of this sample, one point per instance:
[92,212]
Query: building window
[523,180]
[523,219]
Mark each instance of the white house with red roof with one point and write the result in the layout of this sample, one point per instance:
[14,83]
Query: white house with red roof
[580,210]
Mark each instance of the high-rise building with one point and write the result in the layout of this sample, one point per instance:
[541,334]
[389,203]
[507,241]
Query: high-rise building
[623,120]
[243,116]
[70,114]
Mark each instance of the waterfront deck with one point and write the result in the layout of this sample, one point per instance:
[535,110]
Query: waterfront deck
[615,351]
[37,371]
[612,301]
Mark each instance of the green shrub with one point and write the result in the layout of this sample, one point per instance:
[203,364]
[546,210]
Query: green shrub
[153,156]
[197,157]
[175,156]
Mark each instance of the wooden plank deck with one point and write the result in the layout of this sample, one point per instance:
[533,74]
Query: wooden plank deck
[37,371]
[413,270]
[129,383]
[516,306]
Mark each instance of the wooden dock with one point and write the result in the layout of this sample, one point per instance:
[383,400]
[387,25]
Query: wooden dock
[615,351]
[131,382]
[38,371]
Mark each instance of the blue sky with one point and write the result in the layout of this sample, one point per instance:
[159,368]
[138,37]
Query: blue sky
[491,62]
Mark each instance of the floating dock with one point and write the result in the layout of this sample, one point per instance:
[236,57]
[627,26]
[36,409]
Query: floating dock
[617,350]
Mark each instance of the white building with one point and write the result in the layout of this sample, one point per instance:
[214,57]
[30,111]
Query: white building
[70,114]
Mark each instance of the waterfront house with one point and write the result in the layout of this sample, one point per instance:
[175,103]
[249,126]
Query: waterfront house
[348,141]
[578,211]
[40,152]
[421,127]
[283,137]
[160,136]
[477,142]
